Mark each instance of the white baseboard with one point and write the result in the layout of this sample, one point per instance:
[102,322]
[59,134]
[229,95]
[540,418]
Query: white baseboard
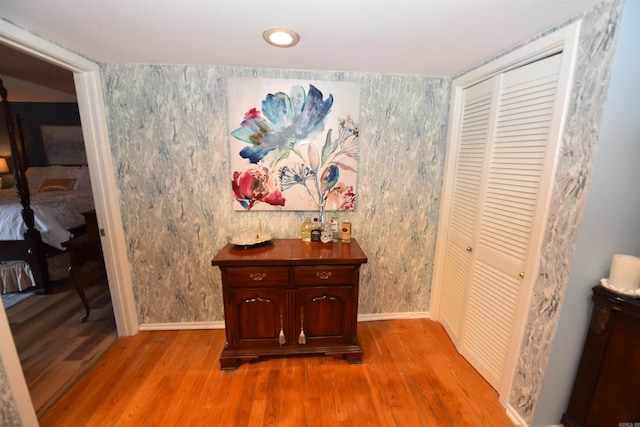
[516,418]
[393,316]
[220,324]
[181,326]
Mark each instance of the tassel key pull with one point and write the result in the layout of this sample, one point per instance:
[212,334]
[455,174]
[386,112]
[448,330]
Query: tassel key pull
[302,339]
[281,338]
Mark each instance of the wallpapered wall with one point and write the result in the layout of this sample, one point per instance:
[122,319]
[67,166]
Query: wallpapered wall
[169,131]
[582,129]
[8,411]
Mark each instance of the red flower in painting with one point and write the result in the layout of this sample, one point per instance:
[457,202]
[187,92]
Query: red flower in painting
[341,198]
[256,185]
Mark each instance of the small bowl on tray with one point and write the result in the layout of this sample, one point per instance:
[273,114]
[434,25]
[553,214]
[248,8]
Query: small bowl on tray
[249,239]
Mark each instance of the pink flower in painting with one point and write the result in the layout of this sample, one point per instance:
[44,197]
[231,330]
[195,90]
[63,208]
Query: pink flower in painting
[341,198]
[254,185]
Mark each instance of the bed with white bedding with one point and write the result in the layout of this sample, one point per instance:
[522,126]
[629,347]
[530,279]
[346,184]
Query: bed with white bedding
[55,214]
[58,197]
[43,208]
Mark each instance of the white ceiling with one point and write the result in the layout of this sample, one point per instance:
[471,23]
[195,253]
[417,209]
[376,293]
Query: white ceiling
[411,37]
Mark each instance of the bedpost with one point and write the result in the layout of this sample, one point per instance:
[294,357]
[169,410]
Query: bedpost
[33,249]
[23,148]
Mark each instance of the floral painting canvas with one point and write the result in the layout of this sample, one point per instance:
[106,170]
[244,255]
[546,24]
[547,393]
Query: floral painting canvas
[293,144]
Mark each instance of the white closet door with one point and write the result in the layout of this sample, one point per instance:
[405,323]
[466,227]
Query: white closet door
[465,204]
[516,165]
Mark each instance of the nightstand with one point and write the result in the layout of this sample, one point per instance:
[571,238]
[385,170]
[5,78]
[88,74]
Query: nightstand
[82,249]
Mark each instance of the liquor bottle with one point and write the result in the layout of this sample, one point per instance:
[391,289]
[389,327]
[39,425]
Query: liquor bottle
[326,233]
[346,232]
[305,232]
[315,231]
[335,228]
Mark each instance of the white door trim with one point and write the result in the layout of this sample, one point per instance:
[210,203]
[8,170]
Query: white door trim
[564,40]
[96,136]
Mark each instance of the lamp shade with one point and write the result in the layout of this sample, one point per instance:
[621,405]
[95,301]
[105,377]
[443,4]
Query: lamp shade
[4,167]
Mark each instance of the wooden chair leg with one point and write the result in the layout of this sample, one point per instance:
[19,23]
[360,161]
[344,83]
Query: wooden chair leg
[73,274]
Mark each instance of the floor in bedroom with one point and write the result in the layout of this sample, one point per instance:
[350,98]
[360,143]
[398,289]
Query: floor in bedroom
[55,348]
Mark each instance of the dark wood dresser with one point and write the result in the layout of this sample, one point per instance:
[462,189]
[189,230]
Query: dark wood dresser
[606,391]
[290,298]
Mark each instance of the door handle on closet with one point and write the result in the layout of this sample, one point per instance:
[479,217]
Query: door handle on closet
[469,249]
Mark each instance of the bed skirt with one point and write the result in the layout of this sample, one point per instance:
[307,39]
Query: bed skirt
[15,276]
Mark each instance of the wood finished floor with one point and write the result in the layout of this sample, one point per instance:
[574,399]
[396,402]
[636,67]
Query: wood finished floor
[411,375]
[54,347]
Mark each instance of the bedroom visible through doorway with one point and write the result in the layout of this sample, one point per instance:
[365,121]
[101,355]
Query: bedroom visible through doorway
[66,345]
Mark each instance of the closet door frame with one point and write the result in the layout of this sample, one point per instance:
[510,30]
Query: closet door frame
[565,41]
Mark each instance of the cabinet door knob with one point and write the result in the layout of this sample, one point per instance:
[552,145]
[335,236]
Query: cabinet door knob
[469,249]
[521,274]
[257,277]
[323,275]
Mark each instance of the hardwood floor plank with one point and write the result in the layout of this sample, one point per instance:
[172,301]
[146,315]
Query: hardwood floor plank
[320,388]
[390,375]
[168,376]
[256,417]
[411,375]
[54,347]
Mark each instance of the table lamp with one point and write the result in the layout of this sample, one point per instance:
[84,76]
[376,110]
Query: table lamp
[4,168]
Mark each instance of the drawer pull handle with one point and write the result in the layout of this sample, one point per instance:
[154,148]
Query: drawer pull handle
[258,277]
[323,275]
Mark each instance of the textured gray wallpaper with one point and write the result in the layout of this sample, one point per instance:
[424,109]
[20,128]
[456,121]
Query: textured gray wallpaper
[8,411]
[169,132]
[582,129]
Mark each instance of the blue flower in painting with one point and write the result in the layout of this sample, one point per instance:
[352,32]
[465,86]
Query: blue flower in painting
[294,174]
[329,180]
[286,120]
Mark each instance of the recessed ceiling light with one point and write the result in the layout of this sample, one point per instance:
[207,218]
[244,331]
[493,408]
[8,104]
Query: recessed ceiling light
[281,37]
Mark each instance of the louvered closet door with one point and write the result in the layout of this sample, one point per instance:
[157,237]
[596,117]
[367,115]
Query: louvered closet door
[465,205]
[516,165]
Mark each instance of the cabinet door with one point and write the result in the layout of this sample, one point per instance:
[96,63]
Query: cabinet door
[255,317]
[325,314]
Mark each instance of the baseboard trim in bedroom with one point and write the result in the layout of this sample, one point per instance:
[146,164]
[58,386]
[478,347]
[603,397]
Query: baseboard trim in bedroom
[220,324]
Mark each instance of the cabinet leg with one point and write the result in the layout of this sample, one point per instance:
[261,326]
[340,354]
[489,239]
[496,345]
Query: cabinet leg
[350,356]
[228,363]
[232,362]
[354,358]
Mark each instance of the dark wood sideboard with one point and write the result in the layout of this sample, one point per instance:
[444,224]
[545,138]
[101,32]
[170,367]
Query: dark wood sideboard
[606,390]
[275,293]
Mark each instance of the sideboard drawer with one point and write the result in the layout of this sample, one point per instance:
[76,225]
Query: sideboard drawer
[323,275]
[257,276]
